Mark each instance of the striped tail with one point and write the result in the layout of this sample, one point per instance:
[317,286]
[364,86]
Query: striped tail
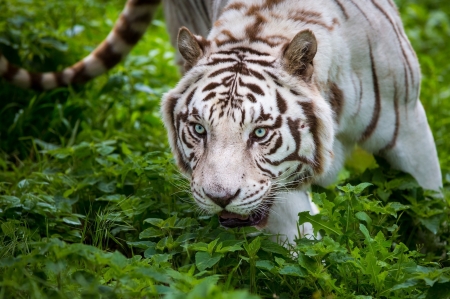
[128,30]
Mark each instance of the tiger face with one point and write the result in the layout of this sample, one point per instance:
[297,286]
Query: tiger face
[245,125]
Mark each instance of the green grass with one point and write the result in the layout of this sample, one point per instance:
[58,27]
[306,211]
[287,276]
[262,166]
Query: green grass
[92,205]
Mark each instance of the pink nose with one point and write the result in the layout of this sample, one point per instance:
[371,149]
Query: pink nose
[223,201]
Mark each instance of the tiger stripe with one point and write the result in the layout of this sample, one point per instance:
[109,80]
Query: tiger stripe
[376,110]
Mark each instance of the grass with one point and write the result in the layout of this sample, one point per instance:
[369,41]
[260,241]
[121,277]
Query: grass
[92,206]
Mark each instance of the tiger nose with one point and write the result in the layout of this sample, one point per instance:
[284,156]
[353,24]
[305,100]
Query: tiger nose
[223,201]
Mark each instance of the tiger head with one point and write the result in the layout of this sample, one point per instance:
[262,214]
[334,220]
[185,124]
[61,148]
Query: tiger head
[245,124]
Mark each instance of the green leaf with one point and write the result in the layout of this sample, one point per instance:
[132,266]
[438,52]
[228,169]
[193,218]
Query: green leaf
[253,247]
[293,270]
[142,244]
[212,245]
[107,187]
[265,265]
[150,233]
[203,260]
[200,246]
[364,217]
[125,150]
[318,223]
[228,248]
[354,189]
[307,262]
[281,262]
[365,232]
[433,223]
[410,283]
[185,223]
[186,237]
[105,150]
[155,221]
[273,247]
[72,220]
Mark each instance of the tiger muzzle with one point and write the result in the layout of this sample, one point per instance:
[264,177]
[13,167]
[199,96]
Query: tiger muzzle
[223,201]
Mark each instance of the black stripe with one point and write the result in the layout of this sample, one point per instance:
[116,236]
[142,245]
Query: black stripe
[253,87]
[399,37]
[313,125]
[250,51]
[344,12]
[126,32]
[209,96]
[295,93]
[193,135]
[362,12]
[260,62]
[264,143]
[377,107]
[106,54]
[183,138]
[251,98]
[211,86]
[59,78]
[277,145]
[221,71]
[274,78]
[256,74]
[144,2]
[271,174]
[80,75]
[36,81]
[190,97]
[406,84]
[391,144]
[221,60]
[11,71]
[281,103]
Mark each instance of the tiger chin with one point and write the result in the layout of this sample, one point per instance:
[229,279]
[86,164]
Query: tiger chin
[279,93]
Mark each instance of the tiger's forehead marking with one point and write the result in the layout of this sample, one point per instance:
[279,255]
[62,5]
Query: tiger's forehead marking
[238,77]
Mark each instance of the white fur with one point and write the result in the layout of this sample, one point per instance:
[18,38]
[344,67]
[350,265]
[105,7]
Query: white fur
[118,44]
[22,79]
[48,81]
[68,74]
[283,217]
[94,66]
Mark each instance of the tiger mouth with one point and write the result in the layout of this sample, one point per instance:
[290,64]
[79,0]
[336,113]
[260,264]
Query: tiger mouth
[232,220]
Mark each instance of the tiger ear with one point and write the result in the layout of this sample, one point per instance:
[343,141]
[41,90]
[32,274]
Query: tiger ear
[299,54]
[189,47]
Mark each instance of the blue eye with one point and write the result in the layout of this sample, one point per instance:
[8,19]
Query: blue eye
[260,132]
[199,129]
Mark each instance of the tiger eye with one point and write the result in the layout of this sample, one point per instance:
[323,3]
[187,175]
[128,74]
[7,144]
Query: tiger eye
[260,132]
[199,129]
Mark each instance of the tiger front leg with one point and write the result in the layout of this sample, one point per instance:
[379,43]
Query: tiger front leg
[283,218]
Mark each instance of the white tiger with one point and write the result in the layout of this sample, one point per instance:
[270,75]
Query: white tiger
[280,92]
